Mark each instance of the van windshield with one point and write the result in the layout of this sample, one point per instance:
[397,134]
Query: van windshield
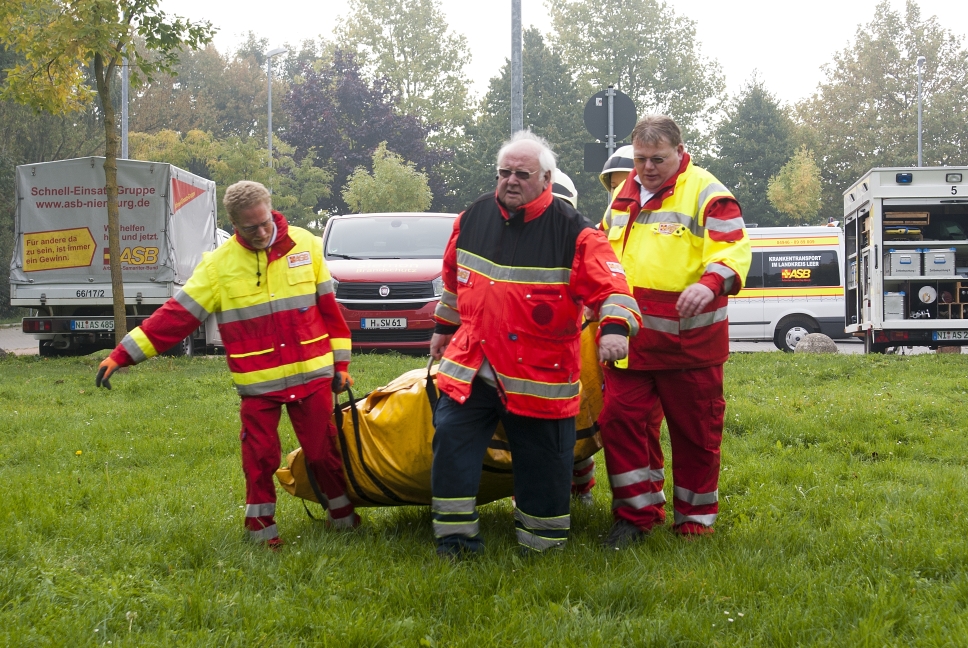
[389,237]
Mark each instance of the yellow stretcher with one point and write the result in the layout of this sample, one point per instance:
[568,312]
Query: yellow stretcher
[385,440]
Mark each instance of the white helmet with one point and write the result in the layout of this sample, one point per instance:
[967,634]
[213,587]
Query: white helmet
[564,188]
[621,160]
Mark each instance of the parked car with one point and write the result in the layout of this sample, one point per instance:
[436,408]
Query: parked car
[386,271]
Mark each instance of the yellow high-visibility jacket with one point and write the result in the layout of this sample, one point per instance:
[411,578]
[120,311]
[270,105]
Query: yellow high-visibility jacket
[277,315]
[690,231]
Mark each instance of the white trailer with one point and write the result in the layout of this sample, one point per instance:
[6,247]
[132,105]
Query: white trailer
[906,240]
[60,263]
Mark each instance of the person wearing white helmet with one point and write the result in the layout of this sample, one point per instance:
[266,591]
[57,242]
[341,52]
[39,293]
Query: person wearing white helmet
[617,168]
[563,187]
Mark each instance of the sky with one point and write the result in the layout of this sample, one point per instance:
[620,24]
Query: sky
[786,48]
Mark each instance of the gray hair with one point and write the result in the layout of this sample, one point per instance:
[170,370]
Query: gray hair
[527,139]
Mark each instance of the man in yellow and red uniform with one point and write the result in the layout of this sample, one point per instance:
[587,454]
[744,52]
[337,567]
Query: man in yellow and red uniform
[285,341]
[518,268]
[680,236]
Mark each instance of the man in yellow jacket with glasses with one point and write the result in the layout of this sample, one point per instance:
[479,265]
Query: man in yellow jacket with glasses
[285,342]
[680,237]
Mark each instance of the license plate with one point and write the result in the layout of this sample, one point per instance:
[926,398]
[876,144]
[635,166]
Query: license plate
[92,325]
[383,323]
[949,335]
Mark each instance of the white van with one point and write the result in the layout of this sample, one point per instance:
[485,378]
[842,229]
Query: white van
[795,286]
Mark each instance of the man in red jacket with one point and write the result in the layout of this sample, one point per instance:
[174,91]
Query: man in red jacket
[285,342]
[518,269]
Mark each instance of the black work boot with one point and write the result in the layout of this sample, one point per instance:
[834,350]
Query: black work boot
[623,534]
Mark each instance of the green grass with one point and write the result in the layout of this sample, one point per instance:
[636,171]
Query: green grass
[843,503]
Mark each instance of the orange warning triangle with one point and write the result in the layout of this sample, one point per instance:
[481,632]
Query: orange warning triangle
[183,193]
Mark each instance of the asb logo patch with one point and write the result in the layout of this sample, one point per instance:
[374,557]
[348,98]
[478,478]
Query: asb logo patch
[795,274]
[615,267]
[299,259]
[463,275]
[667,228]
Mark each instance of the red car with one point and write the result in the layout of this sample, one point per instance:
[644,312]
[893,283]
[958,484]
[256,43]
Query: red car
[386,274]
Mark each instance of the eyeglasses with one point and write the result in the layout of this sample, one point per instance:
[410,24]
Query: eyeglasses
[252,229]
[521,175]
[656,161]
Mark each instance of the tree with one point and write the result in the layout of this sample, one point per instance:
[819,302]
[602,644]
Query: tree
[30,137]
[754,141]
[795,190]
[224,95]
[408,43]
[648,51]
[300,187]
[334,110]
[395,185]
[297,187]
[57,39]
[864,114]
[553,108]
[7,208]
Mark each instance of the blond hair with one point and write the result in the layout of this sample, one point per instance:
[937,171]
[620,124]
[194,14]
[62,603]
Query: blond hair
[243,195]
[652,129]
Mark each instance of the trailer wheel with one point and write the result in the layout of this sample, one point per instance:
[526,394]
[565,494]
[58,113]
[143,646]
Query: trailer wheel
[790,331]
[185,348]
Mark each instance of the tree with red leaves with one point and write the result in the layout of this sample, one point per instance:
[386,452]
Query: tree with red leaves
[345,117]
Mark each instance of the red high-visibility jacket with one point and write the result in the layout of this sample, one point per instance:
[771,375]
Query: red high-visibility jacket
[514,288]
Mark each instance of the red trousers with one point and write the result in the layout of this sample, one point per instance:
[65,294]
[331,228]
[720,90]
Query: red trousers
[583,474]
[261,455]
[693,403]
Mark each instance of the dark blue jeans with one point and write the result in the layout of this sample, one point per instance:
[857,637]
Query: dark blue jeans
[542,452]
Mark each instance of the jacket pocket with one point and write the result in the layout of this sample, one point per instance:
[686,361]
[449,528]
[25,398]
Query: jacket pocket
[242,288]
[252,354]
[300,274]
[542,353]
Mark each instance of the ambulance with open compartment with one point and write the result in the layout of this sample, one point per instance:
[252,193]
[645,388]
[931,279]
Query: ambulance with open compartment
[906,239]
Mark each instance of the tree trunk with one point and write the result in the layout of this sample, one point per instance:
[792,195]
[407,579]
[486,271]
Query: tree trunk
[111,146]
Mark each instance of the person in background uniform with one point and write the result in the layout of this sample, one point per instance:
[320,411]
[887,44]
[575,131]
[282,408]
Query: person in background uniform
[680,236]
[517,270]
[285,342]
[583,472]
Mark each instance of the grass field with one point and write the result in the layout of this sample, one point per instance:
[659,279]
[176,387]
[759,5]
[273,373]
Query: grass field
[843,523]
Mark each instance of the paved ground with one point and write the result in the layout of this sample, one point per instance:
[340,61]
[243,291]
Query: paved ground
[13,340]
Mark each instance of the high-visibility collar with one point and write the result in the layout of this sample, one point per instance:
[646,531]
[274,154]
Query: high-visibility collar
[631,190]
[283,243]
[531,210]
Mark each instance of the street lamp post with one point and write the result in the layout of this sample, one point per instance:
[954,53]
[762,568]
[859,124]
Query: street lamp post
[921,61]
[517,85]
[125,80]
[269,55]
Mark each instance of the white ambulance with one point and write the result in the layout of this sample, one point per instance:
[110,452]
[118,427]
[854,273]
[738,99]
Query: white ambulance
[795,286]
[906,238]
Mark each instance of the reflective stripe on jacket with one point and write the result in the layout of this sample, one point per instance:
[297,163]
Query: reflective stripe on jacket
[514,287]
[277,315]
[691,231]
